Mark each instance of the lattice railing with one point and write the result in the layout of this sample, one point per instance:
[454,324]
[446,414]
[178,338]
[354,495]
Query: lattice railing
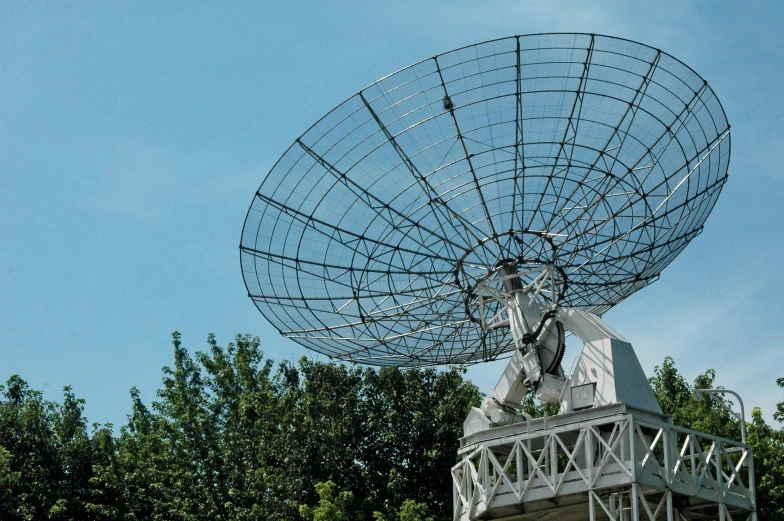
[601,454]
[695,464]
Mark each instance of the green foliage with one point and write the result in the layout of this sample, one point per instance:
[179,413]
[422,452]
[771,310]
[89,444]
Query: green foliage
[537,409]
[46,456]
[768,444]
[676,397]
[410,510]
[330,507]
[779,414]
[232,436]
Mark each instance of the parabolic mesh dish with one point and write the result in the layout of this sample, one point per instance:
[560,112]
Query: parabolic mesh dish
[367,238]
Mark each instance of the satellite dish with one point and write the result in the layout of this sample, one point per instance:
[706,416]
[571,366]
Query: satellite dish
[574,166]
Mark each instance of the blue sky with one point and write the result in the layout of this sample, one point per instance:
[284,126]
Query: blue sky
[133,136]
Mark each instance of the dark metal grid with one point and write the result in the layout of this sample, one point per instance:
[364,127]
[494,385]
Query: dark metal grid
[367,238]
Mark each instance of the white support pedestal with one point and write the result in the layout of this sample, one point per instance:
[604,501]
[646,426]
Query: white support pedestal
[613,462]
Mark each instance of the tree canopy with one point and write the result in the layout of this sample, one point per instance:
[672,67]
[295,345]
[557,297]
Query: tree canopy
[235,436]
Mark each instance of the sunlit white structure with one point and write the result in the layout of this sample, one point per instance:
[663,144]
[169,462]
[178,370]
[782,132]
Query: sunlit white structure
[612,462]
[609,454]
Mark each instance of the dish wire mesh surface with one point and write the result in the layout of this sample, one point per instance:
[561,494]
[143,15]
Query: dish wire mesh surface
[602,156]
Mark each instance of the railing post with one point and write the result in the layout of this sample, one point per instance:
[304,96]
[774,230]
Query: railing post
[472,485]
[751,490]
[719,473]
[485,473]
[553,459]
[455,499]
[669,462]
[631,425]
[519,464]
[529,463]
[589,451]
[692,455]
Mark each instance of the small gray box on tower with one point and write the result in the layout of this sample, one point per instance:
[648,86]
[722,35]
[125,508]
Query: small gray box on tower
[583,396]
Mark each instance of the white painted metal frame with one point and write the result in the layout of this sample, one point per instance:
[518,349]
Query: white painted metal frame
[626,464]
[544,290]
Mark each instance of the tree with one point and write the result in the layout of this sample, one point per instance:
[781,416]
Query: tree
[779,414]
[332,506]
[47,457]
[233,436]
[768,444]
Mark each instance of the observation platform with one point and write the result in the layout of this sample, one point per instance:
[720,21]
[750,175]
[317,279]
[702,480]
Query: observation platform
[612,462]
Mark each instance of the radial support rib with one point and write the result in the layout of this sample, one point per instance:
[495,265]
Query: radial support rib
[468,156]
[362,192]
[421,180]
